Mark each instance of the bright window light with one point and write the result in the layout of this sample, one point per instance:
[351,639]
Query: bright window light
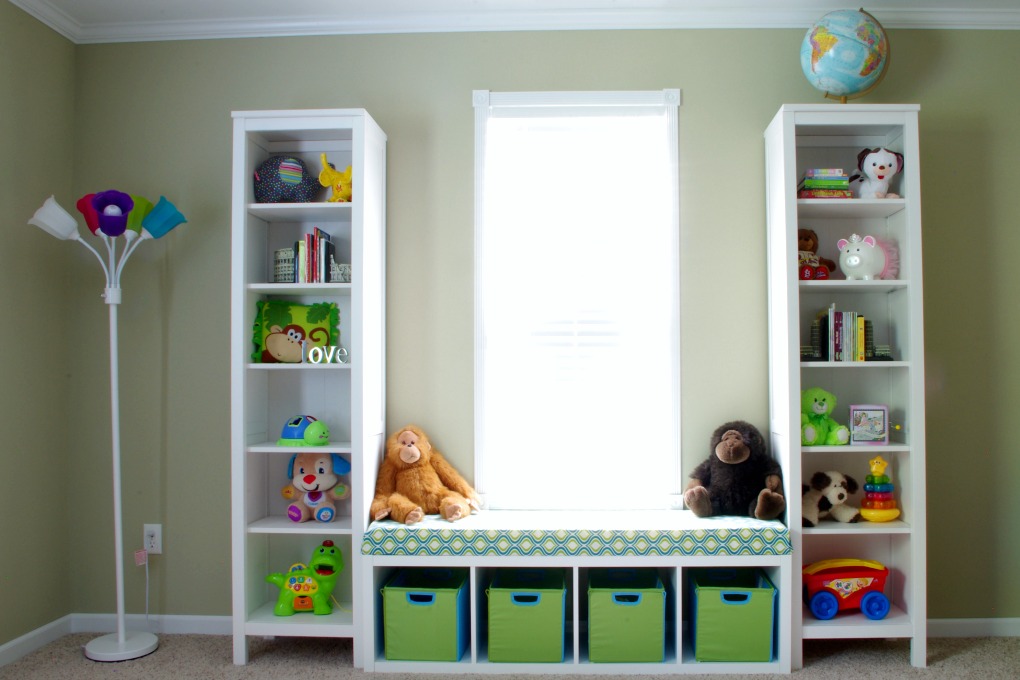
[577,300]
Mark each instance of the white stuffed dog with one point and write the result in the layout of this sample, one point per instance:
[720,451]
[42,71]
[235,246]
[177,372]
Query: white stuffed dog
[827,497]
[878,167]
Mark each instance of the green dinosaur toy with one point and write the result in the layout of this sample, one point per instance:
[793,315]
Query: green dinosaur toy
[309,588]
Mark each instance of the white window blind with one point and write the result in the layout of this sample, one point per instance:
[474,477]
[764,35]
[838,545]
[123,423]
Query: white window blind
[577,356]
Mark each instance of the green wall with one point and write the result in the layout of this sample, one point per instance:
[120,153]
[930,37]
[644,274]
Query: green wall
[36,493]
[154,118]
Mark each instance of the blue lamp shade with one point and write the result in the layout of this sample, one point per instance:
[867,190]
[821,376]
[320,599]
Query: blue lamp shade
[163,217]
[55,221]
[112,209]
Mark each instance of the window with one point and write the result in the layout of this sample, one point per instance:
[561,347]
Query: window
[577,349]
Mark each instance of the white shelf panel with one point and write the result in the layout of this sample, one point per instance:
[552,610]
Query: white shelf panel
[858,448]
[273,447]
[858,528]
[845,286]
[855,364]
[341,526]
[301,212]
[300,288]
[849,208]
[300,367]
[339,624]
[854,625]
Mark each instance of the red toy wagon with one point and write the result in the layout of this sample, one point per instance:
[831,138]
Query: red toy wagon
[831,586]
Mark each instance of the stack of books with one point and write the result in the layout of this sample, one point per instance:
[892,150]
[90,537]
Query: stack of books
[824,183]
[307,262]
[843,335]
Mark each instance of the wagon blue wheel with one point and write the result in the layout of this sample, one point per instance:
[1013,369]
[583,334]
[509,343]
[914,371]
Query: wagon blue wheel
[875,606]
[824,605]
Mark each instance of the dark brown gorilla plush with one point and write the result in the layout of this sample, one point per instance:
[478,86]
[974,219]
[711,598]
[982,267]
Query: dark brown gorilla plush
[739,478]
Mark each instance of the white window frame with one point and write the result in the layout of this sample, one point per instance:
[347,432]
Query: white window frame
[666,475]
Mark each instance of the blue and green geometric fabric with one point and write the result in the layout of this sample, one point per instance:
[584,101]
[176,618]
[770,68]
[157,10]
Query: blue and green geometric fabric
[544,534]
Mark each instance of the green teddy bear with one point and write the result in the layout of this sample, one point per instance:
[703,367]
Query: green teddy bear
[309,589]
[817,428]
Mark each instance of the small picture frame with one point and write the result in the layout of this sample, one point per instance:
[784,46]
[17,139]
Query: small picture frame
[869,424]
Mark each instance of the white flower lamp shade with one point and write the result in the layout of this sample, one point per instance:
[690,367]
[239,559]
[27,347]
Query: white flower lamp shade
[163,217]
[56,221]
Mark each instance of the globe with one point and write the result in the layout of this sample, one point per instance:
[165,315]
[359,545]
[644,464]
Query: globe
[845,54]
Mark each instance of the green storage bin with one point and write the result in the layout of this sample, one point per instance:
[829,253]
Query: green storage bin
[733,615]
[626,616]
[425,615]
[527,608]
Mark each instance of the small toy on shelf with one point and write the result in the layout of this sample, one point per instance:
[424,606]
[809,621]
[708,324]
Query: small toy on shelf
[810,265]
[339,182]
[315,486]
[868,258]
[869,424]
[879,505]
[416,480]
[878,167]
[304,431]
[817,427]
[827,496]
[739,477]
[284,179]
[832,586]
[309,588]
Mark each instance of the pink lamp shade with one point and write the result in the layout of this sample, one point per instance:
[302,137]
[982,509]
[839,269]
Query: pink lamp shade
[84,206]
[55,221]
[163,217]
[112,208]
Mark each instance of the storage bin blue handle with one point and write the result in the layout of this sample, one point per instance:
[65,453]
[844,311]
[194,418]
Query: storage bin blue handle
[732,597]
[421,599]
[627,599]
[525,599]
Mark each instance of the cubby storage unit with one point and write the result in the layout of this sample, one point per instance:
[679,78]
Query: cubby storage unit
[580,546]
[830,136]
[349,396]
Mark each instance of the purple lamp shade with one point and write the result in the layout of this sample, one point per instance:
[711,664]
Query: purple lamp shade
[84,206]
[112,209]
[163,217]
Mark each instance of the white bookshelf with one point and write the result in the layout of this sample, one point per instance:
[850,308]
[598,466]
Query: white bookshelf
[806,136]
[349,397]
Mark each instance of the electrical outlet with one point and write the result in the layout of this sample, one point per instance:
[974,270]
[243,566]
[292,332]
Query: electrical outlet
[152,539]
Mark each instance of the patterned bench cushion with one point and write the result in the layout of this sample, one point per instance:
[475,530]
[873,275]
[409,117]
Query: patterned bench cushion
[602,533]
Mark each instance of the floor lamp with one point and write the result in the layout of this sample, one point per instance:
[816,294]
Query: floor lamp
[110,214]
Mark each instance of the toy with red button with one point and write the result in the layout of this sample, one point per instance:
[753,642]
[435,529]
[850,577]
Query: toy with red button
[879,504]
[309,588]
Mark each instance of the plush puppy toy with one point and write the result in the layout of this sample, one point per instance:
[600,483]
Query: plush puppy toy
[827,496]
[878,166]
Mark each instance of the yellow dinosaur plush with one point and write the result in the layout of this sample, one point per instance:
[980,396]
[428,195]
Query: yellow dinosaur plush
[339,182]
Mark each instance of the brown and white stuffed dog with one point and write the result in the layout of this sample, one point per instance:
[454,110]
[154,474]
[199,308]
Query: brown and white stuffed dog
[415,480]
[827,496]
[878,167]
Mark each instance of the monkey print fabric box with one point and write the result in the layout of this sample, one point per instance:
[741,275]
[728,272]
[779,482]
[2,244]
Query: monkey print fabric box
[588,533]
[284,331]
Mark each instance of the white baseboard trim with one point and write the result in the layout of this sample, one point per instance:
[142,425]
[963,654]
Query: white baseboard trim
[107,623]
[973,628]
[221,625]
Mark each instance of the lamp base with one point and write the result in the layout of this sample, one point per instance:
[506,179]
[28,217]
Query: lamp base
[108,648]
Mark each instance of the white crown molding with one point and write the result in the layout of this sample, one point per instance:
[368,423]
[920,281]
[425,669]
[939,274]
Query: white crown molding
[620,17]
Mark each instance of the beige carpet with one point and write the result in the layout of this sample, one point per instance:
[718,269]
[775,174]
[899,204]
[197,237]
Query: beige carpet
[210,657]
